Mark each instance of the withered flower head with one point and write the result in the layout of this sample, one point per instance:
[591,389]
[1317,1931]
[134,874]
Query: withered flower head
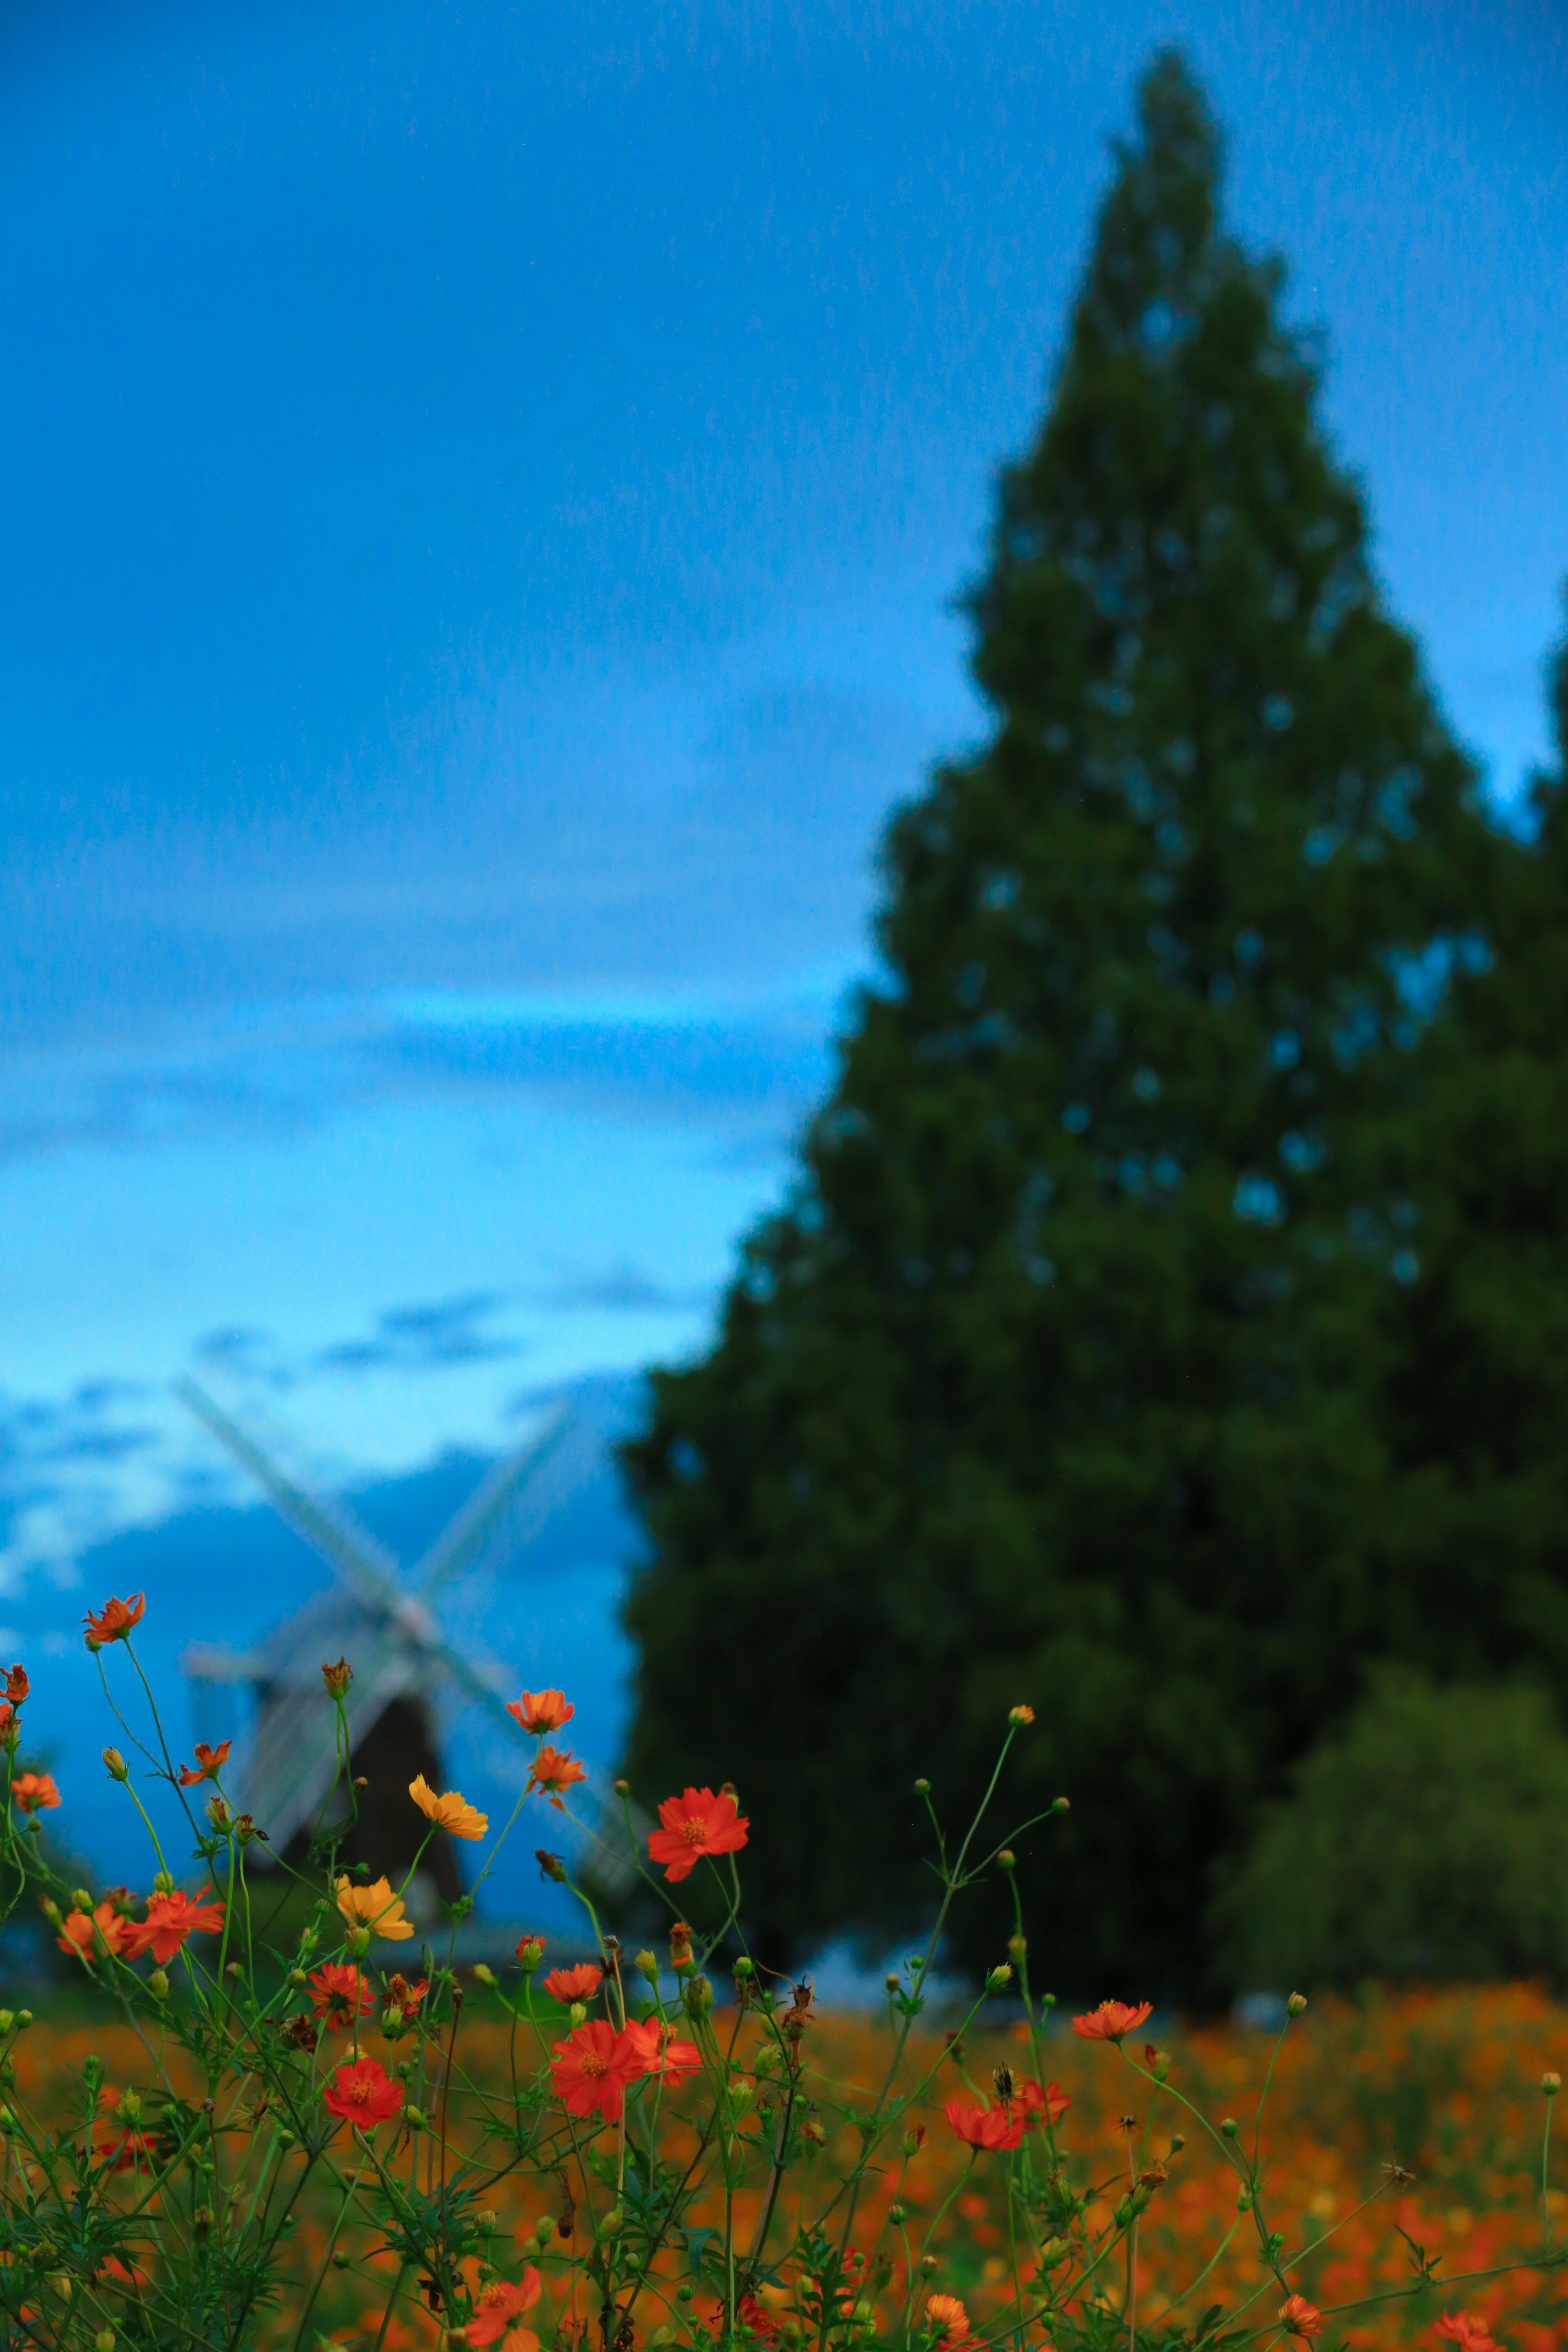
[337,1678]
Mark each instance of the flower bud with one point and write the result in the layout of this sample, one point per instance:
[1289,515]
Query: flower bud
[158,1985]
[922,1788]
[928,2262]
[337,1678]
[680,1945]
[530,1952]
[340,2258]
[744,1967]
[486,2217]
[128,2107]
[414,2118]
[1060,1805]
[202,2219]
[999,1978]
[218,1814]
[914,2140]
[164,1883]
[893,1982]
[24,2017]
[1243,2201]
[8,2021]
[80,1899]
[1018,1950]
[1020,1715]
[1552,2084]
[740,2095]
[647,1965]
[50,1908]
[482,1974]
[104,2340]
[118,1770]
[1159,2065]
[811,2131]
[1054,2253]
[622,1788]
[1006,1859]
[298,1976]
[697,1994]
[578,2013]
[614,2222]
[1229,2126]
[544,2231]
[358,1942]
[1296,2004]
[1177,2142]
[897,2213]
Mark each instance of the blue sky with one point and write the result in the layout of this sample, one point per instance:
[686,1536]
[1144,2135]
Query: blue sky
[485,491]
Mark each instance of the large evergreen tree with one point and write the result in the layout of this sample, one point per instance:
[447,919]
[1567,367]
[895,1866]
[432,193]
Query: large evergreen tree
[1060,1376]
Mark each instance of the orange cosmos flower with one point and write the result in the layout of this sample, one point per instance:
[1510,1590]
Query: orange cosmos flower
[1053,2102]
[663,2055]
[375,1906]
[540,1711]
[170,1919]
[340,1994]
[694,1824]
[554,1771]
[985,2126]
[210,1762]
[1020,1715]
[76,1931]
[1110,2020]
[361,2092]
[113,1622]
[35,1791]
[404,1996]
[1469,2334]
[451,1812]
[1299,2317]
[949,2318]
[16,1686]
[498,2303]
[592,2068]
[580,1983]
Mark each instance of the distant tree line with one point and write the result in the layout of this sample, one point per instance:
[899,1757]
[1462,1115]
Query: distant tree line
[1168,1324]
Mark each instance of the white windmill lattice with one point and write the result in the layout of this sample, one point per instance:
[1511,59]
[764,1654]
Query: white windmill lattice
[387,1628]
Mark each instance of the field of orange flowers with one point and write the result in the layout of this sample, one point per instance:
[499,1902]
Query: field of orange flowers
[1401,2135]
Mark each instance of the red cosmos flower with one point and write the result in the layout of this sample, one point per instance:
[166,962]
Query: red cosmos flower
[1052,2102]
[170,1919]
[361,2092]
[1469,2334]
[76,1930]
[554,1771]
[592,2066]
[753,2316]
[985,2126]
[1299,2317]
[498,2303]
[1110,2020]
[340,1994]
[663,2055]
[16,1684]
[580,1983]
[113,1622]
[210,1762]
[131,2148]
[34,1791]
[9,1733]
[949,2318]
[540,1711]
[694,1824]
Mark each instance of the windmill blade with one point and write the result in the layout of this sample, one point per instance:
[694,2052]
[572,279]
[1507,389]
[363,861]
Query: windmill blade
[357,1557]
[292,1763]
[531,1484]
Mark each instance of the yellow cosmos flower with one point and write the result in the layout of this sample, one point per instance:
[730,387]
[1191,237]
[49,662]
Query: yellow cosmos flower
[375,1906]
[451,1812]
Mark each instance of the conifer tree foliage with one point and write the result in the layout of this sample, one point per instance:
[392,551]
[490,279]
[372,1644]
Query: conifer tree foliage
[1057,1379]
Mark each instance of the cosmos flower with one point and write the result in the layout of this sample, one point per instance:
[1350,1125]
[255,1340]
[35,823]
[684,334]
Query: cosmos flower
[170,1919]
[542,1711]
[340,1994]
[209,1763]
[580,1983]
[554,1770]
[985,2126]
[1299,2317]
[375,1906]
[592,2068]
[34,1791]
[694,1824]
[498,2303]
[949,2318]
[451,1812]
[1469,2334]
[361,2092]
[1053,2102]
[76,1930]
[113,1622]
[1110,2020]
[673,2059]
[16,1686]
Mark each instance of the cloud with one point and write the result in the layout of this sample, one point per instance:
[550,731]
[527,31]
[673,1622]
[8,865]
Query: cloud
[425,1338]
[625,1290]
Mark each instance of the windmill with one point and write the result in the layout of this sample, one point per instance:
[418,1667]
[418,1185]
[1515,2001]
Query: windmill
[386,1626]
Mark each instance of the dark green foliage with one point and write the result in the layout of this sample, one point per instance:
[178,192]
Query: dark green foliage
[1428,1837]
[1060,1376]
